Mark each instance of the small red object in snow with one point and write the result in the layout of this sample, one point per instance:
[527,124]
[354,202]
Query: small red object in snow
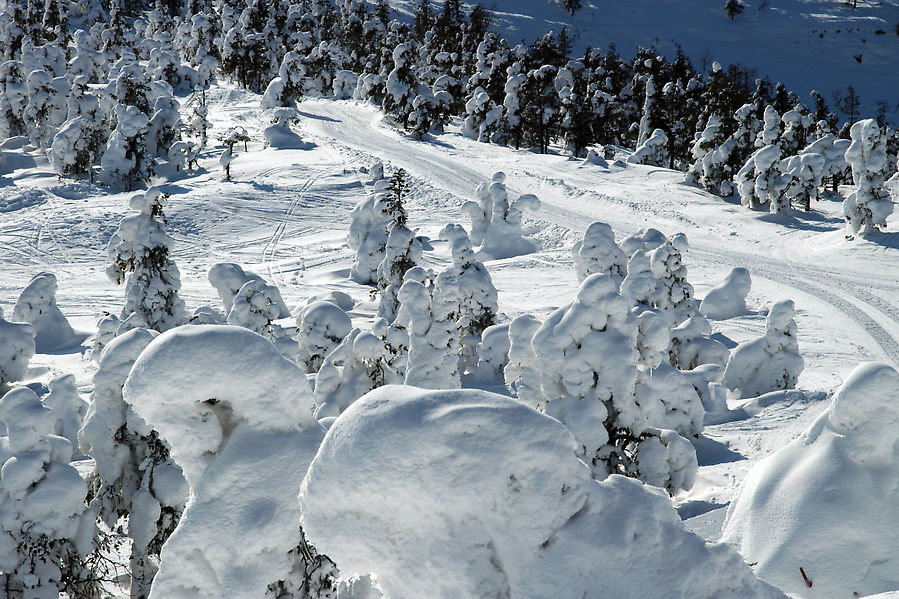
[807,580]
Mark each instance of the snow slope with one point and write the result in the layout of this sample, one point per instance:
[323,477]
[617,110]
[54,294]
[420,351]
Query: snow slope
[285,215]
[807,44]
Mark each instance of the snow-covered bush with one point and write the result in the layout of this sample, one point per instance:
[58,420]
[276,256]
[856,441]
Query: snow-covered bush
[126,163]
[46,529]
[598,253]
[133,475]
[521,373]
[727,299]
[355,367]
[867,208]
[464,293]
[256,306]
[228,278]
[244,435]
[770,362]
[653,151]
[321,326]
[68,408]
[279,135]
[16,349]
[37,305]
[107,328]
[827,492]
[433,339]
[526,519]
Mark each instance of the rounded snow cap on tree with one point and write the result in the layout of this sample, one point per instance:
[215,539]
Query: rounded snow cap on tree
[780,315]
[499,177]
[368,347]
[595,287]
[860,403]
[145,202]
[28,421]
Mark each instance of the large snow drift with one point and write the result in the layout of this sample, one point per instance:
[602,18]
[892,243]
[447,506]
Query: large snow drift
[238,418]
[471,494]
[828,502]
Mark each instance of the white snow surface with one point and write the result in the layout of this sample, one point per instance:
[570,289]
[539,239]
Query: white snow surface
[827,502]
[494,504]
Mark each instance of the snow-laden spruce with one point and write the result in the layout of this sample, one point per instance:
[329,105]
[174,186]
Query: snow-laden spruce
[402,252]
[803,174]
[37,305]
[521,374]
[16,349]
[133,475]
[493,355]
[711,153]
[355,367]
[496,221]
[598,253]
[46,529]
[587,359]
[692,345]
[228,278]
[370,227]
[526,520]
[727,299]
[126,163]
[830,494]
[867,208]
[653,151]
[244,435]
[139,252]
[769,362]
[68,408]
[256,306]
[321,326]
[433,339]
[464,294]
[760,182]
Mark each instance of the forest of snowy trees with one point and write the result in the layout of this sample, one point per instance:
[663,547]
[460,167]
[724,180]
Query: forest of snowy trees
[234,482]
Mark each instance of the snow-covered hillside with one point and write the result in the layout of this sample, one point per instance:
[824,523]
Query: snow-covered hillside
[822,45]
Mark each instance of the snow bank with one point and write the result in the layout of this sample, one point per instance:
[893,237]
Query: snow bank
[827,502]
[239,419]
[37,305]
[727,299]
[523,519]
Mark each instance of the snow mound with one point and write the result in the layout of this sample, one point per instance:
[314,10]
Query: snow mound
[37,305]
[238,418]
[827,502]
[728,298]
[525,518]
[280,137]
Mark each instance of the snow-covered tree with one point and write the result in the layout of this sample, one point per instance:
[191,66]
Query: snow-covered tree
[46,529]
[675,295]
[760,182]
[521,374]
[321,326]
[692,345]
[139,252]
[770,362]
[352,369]
[836,168]
[493,354]
[652,151]
[68,408]
[803,173]
[402,252]
[867,208]
[587,359]
[256,306]
[37,305]
[133,475]
[402,85]
[164,127]
[126,163]
[598,253]
[372,220]
[711,154]
[75,147]
[433,354]
[771,129]
[16,349]
[464,293]
[46,108]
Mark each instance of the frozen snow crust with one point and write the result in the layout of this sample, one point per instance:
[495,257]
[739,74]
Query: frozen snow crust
[466,493]
[238,418]
[828,502]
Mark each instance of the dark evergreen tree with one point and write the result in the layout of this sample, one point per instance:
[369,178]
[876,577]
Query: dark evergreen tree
[733,8]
